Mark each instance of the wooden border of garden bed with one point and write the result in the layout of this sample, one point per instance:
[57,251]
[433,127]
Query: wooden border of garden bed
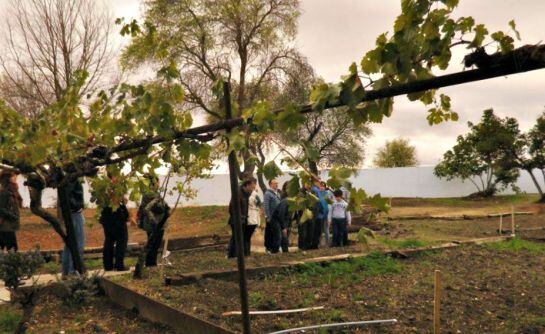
[190,278]
[460,217]
[158,312]
[173,245]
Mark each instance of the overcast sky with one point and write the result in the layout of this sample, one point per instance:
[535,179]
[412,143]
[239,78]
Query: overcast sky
[335,33]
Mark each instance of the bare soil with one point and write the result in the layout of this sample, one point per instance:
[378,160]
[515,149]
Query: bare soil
[484,291]
[96,316]
[185,222]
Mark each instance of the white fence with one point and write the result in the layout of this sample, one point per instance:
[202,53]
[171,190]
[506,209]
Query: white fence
[389,182]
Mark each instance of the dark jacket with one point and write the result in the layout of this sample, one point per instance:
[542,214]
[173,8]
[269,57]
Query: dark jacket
[282,214]
[75,195]
[152,210]
[110,218]
[9,212]
[243,199]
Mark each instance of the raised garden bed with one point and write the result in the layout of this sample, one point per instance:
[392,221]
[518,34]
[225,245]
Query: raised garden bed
[491,288]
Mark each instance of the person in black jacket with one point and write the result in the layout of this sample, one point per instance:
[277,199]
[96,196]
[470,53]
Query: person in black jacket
[245,190]
[10,205]
[151,216]
[282,217]
[116,236]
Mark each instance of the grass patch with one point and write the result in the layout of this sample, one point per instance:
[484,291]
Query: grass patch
[403,243]
[349,271]
[9,319]
[517,245]
[495,200]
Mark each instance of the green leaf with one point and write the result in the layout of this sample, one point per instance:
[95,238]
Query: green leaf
[293,187]
[306,216]
[514,27]
[236,141]
[271,170]
[480,34]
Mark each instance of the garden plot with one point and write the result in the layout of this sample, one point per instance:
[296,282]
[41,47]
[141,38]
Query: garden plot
[489,288]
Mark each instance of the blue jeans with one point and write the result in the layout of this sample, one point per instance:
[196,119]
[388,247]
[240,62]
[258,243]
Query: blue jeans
[340,232]
[77,222]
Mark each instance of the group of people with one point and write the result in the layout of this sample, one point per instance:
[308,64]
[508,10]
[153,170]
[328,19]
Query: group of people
[330,213]
[152,213]
[152,210]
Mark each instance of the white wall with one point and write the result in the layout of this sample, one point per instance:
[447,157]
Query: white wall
[389,182]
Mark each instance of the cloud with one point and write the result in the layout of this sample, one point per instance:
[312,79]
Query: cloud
[335,34]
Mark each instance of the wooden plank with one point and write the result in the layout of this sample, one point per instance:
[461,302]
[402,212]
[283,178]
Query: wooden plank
[158,312]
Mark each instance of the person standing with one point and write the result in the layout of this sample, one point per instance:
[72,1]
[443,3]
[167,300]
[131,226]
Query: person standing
[340,218]
[283,218]
[116,236]
[10,205]
[246,189]
[270,202]
[74,190]
[305,228]
[255,206]
[319,215]
[151,216]
[329,198]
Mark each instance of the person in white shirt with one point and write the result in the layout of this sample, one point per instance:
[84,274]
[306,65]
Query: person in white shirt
[254,209]
[340,218]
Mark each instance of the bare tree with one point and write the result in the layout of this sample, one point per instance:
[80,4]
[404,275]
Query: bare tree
[46,45]
[249,42]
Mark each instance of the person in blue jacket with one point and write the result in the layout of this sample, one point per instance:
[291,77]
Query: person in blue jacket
[272,229]
[320,212]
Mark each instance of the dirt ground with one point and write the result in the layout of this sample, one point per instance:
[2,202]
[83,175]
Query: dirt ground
[97,316]
[208,220]
[485,290]
[186,222]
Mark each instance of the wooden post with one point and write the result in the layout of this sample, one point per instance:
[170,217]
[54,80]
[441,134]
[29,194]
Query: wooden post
[512,221]
[238,233]
[501,223]
[437,303]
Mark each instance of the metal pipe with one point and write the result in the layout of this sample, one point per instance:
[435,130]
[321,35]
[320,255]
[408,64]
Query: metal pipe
[338,325]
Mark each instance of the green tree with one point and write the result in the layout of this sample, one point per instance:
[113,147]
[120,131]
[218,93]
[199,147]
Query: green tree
[529,153]
[249,42]
[396,153]
[536,138]
[484,156]
[321,140]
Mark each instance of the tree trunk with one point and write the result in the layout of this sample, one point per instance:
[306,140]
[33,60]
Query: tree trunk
[249,165]
[538,187]
[313,167]
[261,182]
[71,242]
[27,302]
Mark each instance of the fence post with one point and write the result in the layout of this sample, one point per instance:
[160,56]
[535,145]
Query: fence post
[437,303]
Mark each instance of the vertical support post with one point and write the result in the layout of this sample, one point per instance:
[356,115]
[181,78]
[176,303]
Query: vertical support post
[239,242]
[512,221]
[437,303]
[501,224]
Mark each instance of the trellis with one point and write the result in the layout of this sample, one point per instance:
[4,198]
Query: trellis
[526,58]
